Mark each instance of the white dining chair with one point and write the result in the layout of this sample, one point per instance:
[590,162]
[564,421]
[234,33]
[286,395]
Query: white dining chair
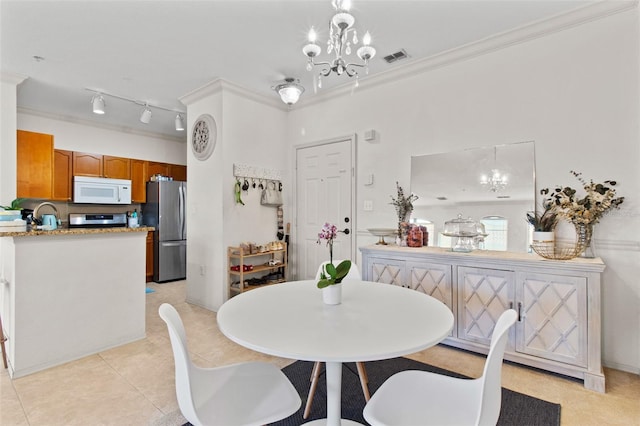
[250,393]
[422,398]
[354,274]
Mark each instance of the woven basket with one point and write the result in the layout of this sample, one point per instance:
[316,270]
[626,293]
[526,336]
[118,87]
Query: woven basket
[559,250]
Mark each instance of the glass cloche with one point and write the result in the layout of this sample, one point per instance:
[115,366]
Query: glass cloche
[463,231]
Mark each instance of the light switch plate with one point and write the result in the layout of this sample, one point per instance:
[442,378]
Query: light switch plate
[368,205]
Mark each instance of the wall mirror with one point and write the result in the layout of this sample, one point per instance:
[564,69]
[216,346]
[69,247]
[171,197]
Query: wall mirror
[494,184]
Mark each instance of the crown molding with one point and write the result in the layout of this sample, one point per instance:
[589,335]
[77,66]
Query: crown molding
[210,88]
[12,78]
[522,34]
[106,126]
[220,85]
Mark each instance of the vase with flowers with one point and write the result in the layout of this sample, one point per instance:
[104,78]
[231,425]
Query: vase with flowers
[331,275]
[404,207]
[584,211]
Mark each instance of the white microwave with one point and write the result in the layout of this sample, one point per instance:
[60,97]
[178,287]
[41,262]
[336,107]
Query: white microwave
[92,190]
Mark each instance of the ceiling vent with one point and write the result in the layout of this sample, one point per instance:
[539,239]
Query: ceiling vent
[400,54]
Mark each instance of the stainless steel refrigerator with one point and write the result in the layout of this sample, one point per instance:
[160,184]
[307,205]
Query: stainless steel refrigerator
[165,210]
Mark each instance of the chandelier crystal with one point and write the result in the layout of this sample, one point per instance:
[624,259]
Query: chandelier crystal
[495,181]
[342,36]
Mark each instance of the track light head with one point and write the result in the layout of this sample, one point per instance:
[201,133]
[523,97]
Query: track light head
[97,103]
[179,123]
[145,117]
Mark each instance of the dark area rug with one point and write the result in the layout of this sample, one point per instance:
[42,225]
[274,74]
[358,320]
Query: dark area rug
[517,408]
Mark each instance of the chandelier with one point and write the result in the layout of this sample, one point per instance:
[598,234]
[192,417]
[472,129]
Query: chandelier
[342,36]
[495,181]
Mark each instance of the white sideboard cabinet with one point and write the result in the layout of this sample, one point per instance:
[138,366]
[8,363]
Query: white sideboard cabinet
[558,302]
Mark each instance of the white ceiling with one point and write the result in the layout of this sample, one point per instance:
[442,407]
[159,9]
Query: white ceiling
[158,51]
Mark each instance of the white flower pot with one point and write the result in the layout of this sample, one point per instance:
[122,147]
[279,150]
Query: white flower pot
[544,242]
[332,295]
[543,237]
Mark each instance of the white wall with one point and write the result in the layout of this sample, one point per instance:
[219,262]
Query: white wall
[8,102]
[248,132]
[84,137]
[574,92]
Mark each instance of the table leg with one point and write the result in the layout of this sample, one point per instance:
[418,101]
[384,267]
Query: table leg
[334,398]
[334,393]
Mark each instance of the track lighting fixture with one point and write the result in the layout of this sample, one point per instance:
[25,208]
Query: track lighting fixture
[179,123]
[145,117]
[98,104]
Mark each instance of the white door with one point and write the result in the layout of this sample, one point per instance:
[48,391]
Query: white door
[324,186]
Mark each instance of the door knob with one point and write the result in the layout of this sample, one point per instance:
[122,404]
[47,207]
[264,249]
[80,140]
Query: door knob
[346,231]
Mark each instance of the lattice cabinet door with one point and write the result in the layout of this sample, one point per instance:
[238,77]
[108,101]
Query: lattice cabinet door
[483,295]
[387,271]
[554,317]
[433,279]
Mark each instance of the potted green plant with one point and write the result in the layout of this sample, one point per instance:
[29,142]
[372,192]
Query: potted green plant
[14,206]
[11,217]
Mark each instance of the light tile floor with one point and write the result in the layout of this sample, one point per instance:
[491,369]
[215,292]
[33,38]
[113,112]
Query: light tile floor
[133,384]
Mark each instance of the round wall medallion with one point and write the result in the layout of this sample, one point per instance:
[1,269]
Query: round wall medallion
[203,137]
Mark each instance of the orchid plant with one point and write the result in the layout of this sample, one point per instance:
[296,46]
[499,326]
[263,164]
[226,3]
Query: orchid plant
[331,274]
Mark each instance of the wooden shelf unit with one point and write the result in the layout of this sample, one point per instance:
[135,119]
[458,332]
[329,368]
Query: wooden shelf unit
[237,256]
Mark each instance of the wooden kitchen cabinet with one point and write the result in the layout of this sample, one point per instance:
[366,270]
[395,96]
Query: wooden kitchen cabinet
[155,168]
[86,164]
[139,178]
[98,165]
[34,154]
[62,175]
[178,172]
[149,262]
[116,167]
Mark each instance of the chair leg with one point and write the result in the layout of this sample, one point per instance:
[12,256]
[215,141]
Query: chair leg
[2,340]
[364,380]
[315,374]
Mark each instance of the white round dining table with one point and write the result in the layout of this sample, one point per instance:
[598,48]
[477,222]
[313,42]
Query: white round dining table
[374,321]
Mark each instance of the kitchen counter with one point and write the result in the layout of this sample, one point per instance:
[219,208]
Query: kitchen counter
[75,231]
[70,293]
